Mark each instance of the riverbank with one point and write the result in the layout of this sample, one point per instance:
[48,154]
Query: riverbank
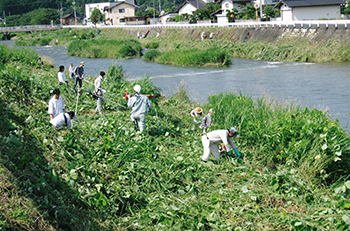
[276,44]
[106,176]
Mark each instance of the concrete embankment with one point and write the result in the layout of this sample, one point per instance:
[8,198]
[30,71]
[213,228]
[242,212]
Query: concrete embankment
[247,34]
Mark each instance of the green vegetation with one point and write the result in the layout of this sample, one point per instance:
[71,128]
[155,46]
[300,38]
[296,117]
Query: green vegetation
[151,55]
[41,16]
[195,57]
[103,175]
[100,48]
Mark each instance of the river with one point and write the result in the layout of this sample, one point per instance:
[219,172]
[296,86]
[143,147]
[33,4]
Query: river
[320,86]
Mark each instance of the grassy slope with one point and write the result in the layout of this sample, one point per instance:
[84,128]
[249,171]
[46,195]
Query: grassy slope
[290,47]
[107,177]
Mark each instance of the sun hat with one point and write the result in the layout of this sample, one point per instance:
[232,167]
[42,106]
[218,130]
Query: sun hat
[198,110]
[82,62]
[233,130]
[137,88]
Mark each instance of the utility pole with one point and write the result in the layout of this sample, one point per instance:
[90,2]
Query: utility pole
[61,14]
[261,8]
[154,13]
[75,14]
[4,19]
[160,7]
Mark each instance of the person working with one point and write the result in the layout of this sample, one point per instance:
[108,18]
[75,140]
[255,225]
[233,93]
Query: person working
[79,75]
[61,76]
[206,121]
[56,104]
[141,105]
[211,139]
[63,119]
[197,112]
[99,92]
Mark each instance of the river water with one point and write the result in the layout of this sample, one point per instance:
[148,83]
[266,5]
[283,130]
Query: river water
[320,86]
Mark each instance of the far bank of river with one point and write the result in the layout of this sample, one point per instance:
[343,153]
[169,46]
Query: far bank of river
[320,86]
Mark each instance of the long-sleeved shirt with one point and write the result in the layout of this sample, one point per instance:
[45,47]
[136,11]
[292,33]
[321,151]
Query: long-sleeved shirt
[56,106]
[219,136]
[61,77]
[79,72]
[98,82]
[206,121]
[71,71]
[63,119]
[140,104]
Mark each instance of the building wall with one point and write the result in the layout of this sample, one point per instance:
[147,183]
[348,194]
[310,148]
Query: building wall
[119,18]
[187,9]
[316,12]
[226,5]
[309,13]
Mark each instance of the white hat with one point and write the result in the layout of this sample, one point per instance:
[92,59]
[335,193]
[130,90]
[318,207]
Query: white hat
[137,88]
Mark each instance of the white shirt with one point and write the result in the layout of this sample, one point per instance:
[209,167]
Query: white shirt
[98,88]
[61,77]
[71,71]
[60,121]
[56,106]
[219,136]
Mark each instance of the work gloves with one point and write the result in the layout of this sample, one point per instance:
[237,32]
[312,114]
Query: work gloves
[237,153]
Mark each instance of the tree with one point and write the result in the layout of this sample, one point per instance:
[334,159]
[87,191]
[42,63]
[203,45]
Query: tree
[269,13]
[201,14]
[96,16]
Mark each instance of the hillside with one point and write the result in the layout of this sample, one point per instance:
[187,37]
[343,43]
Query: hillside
[102,175]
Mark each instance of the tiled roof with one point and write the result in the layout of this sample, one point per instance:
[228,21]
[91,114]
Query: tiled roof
[299,3]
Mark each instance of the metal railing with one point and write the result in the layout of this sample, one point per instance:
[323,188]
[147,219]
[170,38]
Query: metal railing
[29,28]
[273,24]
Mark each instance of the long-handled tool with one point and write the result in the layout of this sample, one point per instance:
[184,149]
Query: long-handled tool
[101,96]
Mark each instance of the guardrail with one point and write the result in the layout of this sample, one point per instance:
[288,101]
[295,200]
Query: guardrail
[273,24]
[29,28]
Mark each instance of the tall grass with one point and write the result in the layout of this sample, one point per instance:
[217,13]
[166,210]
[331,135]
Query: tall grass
[196,57]
[101,48]
[103,175]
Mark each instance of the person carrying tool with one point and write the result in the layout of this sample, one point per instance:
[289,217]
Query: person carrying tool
[206,121]
[56,104]
[79,74]
[141,105]
[211,139]
[99,92]
[63,119]
[61,76]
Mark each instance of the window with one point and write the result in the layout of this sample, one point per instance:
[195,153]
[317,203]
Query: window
[227,5]
[121,10]
[122,20]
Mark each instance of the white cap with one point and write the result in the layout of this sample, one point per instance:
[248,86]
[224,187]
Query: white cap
[137,88]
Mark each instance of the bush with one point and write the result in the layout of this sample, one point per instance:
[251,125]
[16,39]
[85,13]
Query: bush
[152,55]
[152,45]
[126,51]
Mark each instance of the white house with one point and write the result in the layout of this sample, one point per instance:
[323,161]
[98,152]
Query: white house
[101,6]
[118,13]
[229,5]
[292,10]
[189,6]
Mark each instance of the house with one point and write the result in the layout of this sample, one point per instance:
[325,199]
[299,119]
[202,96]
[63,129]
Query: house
[266,2]
[297,10]
[91,6]
[118,13]
[68,19]
[229,5]
[189,6]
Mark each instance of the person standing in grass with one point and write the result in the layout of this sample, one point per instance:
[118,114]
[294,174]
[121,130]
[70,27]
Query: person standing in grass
[99,92]
[79,74]
[196,113]
[141,105]
[56,104]
[211,139]
[206,121]
[71,71]
[61,76]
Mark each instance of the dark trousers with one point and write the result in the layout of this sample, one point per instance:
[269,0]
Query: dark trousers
[77,80]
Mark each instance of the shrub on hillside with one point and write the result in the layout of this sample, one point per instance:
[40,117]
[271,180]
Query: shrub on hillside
[151,55]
